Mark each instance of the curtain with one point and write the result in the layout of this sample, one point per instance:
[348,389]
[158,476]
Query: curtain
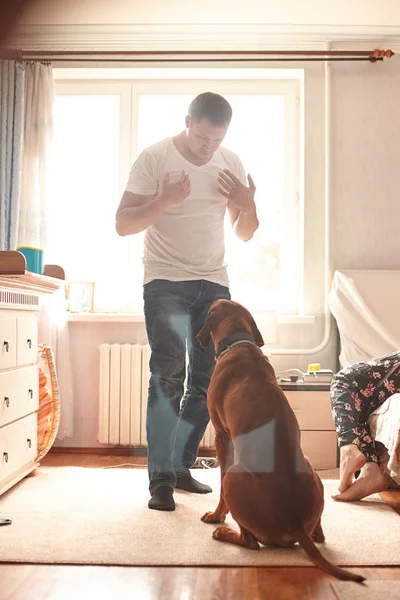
[38,136]
[36,166]
[12,85]
[26,113]
[26,135]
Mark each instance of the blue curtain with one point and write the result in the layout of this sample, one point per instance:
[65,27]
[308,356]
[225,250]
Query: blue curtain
[12,93]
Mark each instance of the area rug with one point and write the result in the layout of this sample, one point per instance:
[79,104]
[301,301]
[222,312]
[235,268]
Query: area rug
[99,516]
[370,590]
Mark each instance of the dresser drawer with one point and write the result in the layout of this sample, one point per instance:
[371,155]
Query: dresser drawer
[320,447]
[19,393]
[27,340]
[18,445]
[8,342]
[312,410]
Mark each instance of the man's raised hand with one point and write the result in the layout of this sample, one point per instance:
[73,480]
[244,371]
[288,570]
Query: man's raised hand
[233,189]
[176,191]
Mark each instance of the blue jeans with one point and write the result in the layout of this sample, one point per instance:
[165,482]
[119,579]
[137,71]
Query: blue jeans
[174,314]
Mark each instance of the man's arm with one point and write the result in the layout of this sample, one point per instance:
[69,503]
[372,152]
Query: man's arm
[244,224]
[136,212]
[241,205]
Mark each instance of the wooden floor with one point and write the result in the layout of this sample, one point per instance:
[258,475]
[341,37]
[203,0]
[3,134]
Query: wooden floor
[62,582]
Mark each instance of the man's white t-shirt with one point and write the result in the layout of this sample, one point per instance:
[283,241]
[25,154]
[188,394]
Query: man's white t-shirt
[187,241]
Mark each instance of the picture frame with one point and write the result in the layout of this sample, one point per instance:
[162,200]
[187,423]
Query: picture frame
[80,296]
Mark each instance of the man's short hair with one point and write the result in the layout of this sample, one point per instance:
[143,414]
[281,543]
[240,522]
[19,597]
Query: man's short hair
[212,107]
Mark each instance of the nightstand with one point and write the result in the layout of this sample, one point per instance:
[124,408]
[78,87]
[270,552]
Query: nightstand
[312,407]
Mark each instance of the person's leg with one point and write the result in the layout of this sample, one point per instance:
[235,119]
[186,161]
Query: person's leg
[355,393]
[194,417]
[166,320]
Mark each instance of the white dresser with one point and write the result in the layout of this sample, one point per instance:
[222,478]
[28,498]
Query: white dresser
[19,378]
[19,382]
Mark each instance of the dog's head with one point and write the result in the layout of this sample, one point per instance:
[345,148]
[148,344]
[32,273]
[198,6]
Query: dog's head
[225,318]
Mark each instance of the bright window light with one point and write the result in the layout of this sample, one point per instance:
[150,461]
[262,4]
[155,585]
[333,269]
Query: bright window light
[99,127]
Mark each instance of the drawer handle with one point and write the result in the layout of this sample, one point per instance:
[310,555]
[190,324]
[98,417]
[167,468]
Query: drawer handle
[7,346]
[30,393]
[29,443]
[7,401]
[29,342]
[5,455]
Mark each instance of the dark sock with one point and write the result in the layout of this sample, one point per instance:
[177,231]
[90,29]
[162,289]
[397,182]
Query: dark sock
[162,498]
[188,483]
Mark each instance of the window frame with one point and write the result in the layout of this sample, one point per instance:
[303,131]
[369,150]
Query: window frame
[291,88]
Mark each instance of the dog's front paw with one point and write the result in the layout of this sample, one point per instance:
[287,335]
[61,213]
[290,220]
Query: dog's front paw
[221,533]
[212,517]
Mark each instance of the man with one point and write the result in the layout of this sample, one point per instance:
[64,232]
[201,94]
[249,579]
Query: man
[178,191]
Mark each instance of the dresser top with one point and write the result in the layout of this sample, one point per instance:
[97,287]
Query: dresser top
[13,275]
[30,282]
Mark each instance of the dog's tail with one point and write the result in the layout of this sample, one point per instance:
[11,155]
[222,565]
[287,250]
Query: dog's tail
[315,555]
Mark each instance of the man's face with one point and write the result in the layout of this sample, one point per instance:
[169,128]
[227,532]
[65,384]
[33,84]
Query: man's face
[204,138]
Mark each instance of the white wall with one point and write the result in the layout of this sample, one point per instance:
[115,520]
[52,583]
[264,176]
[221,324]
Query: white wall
[272,12]
[365,164]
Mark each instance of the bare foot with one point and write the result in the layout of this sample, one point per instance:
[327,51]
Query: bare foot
[351,461]
[370,481]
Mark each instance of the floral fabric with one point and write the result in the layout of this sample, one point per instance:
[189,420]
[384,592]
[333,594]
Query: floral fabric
[356,392]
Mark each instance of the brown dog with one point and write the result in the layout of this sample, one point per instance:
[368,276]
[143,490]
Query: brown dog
[267,484]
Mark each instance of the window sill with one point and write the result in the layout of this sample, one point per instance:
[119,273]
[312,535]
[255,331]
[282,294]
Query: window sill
[139,318]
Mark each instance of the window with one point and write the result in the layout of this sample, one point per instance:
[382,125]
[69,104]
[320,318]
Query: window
[100,128]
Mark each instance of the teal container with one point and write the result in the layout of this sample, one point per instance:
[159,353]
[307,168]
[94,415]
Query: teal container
[33,257]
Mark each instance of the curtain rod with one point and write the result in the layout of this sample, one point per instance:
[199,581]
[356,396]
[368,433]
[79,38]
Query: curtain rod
[194,60]
[149,56]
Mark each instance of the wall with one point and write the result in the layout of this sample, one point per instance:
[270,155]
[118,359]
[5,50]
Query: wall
[272,12]
[365,163]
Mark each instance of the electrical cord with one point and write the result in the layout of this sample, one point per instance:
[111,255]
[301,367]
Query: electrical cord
[123,465]
[201,463]
[288,371]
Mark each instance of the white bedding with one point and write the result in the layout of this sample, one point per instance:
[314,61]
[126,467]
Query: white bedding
[366,306]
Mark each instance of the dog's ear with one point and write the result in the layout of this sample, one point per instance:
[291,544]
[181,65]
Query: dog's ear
[256,334]
[204,335]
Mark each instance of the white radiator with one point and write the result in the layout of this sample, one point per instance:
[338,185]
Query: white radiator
[123,390]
